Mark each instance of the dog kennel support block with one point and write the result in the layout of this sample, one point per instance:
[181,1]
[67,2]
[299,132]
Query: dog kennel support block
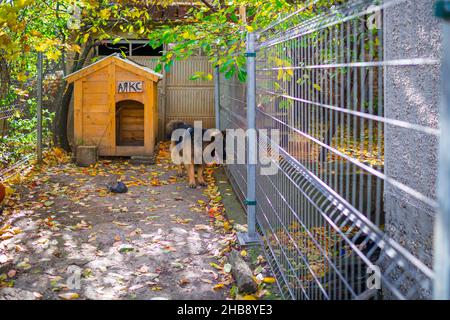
[86,156]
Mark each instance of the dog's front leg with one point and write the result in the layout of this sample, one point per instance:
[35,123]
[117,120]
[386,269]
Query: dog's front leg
[200,179]
[180,170]
[191,175]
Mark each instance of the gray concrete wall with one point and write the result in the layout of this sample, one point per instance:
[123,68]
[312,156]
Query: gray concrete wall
[412,95]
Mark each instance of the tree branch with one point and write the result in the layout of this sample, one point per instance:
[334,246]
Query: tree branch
[209,5]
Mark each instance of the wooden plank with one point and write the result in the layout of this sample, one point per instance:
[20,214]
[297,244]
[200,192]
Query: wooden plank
[125,75]
[95,131]
[95,98]
[105,152]
[99,76]
[126,123]
[95,87]
[132,112]
[136,96]
[131,123]
[132,127]
[105,63]
[131,151]
[133,119]
[133,132]
[89,70]
[148,122]
[78,111]
[131,135]
[112,106]
[155,113]
[95,118]
[94,108]
[124,65]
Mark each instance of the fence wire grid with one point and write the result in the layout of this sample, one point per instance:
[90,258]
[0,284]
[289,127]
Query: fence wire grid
[17,145]
[348,175]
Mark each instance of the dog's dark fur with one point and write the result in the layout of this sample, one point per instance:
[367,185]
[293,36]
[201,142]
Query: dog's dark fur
[189,164]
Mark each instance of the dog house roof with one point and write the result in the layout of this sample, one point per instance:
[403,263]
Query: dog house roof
[119,61]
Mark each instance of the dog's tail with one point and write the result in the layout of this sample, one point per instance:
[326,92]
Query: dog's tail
[174,125]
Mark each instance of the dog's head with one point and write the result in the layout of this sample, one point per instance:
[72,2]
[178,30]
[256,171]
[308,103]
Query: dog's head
[175,125]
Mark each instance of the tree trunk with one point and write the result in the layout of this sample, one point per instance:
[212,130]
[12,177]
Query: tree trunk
[62,103]
[62,114]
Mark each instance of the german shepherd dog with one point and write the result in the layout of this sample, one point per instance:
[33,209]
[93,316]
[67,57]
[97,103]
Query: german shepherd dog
[188,160]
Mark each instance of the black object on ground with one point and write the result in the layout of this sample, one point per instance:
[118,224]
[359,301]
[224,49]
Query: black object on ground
[118,187]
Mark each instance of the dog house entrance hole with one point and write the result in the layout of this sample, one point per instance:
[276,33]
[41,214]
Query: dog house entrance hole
[129,123]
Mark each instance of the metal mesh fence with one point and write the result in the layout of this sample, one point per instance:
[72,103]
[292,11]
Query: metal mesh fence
[17,138]
[232,116]
[20,121]
[351,160]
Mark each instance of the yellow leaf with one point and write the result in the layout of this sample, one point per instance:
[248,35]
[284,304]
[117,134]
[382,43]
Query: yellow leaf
[226,225]
[75,48]
[249,28]
[215,265]
[218,286]
[280,74]
[69,296]
[269,280]
[249,297]
[9,191]
[22,77]
[105,13]
[35,33]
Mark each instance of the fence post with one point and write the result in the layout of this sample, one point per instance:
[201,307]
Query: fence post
[442,222]
[251,236]
[217,95]
[39,108]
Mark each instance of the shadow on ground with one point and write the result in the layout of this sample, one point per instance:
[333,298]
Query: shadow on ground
[76,240]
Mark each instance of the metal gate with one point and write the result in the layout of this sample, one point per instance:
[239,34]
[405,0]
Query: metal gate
[354,95]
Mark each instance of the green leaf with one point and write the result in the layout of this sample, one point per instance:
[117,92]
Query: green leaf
[48,203]
[229,74]
[242,75]
[158,67]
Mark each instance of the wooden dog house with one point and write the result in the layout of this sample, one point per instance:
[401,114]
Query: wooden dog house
[115,107]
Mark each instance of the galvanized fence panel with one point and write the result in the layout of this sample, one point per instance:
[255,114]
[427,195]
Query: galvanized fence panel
[22,135]
[15,152]
[351,163]
[233,95]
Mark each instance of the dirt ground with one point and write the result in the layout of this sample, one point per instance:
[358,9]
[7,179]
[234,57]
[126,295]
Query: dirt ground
[69,238]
